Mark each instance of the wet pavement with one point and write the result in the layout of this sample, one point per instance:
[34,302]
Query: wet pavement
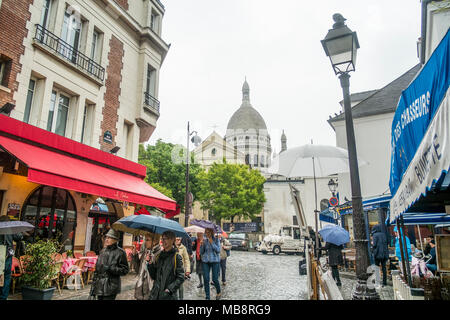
[251,276]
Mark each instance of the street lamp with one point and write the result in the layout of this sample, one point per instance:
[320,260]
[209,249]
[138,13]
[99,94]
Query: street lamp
[340,45]
[188,197]
[332,185]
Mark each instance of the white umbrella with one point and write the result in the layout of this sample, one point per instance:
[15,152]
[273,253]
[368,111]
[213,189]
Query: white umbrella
[312,160]
[194,229]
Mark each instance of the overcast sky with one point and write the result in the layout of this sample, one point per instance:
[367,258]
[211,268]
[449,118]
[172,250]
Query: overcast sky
[276,45]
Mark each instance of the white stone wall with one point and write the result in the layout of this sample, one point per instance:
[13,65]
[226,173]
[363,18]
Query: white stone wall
[51,73]
[438,22]
[373,144]
[258,145]
[279,208]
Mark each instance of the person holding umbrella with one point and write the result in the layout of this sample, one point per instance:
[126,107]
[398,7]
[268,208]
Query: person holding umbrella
[166,269]
[210,254]
[335,236]
[6,239]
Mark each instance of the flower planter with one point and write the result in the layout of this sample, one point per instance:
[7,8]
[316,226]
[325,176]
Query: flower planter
[30,293]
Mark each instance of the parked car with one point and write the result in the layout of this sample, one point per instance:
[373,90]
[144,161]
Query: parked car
[239,241]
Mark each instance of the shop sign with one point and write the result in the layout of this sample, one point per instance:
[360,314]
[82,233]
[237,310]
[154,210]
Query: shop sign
[107,137]
[13,210]
[240,227]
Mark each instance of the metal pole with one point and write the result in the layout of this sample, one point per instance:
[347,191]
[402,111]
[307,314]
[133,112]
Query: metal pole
[361,291]
[420,237]
[402,255]
[315,211]
[186,200]
[408,269]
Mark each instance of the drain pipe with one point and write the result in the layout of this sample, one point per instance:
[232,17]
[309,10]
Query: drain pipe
[423,36]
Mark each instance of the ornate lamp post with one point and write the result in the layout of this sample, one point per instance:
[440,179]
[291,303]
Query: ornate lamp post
[188,197]
[332,185]
[340,45]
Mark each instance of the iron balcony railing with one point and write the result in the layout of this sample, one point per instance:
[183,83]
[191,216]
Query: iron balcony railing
[151,101]
[69,53]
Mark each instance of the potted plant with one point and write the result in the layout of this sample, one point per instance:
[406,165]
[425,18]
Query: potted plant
[39,269]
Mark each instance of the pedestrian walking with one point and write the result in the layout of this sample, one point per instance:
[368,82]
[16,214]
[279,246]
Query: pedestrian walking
[111,265]
[210,254]
[334,260]
[166,269]
[380,249]
[182,251]
[198,260]
[6,240]
[148,250]
[225,247]
[407,251]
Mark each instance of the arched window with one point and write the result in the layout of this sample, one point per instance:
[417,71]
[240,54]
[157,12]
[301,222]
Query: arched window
[255,160]
[247,159]
[213,152]
[262,161]
[53,213]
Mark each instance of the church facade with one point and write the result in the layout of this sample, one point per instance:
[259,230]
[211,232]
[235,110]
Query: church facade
[247,133]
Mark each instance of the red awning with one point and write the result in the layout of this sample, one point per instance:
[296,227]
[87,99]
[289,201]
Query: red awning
[58,170]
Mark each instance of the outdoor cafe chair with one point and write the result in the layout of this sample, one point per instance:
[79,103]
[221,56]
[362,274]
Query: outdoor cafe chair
[76,270]
[90,254]
[57,269]
[57,257]
[14,273]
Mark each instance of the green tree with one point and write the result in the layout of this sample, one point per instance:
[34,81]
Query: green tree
[232,190]
[166,172]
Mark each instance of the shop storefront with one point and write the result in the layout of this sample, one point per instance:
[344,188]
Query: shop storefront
[54,183]
[420,161]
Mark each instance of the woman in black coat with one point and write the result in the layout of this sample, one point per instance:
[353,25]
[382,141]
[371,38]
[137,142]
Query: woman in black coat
[380,249]
[334,260]
[111,265]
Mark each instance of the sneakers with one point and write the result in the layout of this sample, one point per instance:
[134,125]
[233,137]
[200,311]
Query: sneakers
[224,283]
[200,286]
[218,296]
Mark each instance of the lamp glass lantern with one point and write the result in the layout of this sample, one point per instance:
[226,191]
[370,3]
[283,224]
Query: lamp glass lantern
[332,185]
[340,45]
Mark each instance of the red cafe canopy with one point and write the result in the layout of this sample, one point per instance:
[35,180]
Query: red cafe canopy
[64,163]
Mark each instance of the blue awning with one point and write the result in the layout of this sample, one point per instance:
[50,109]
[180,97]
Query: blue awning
[420,134]
[327,216]
[424,218]
[370,203]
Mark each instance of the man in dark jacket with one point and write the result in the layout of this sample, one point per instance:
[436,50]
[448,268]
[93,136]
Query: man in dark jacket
[166,269]
[7,240]
[380,249]
[111,265]
[334,260]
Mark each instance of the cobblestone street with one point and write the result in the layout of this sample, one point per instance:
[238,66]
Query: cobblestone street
[252,276]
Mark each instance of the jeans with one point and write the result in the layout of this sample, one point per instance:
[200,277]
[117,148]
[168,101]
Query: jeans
[223,269]
[4,291]
[383,268]
[215,276]
[335,274]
